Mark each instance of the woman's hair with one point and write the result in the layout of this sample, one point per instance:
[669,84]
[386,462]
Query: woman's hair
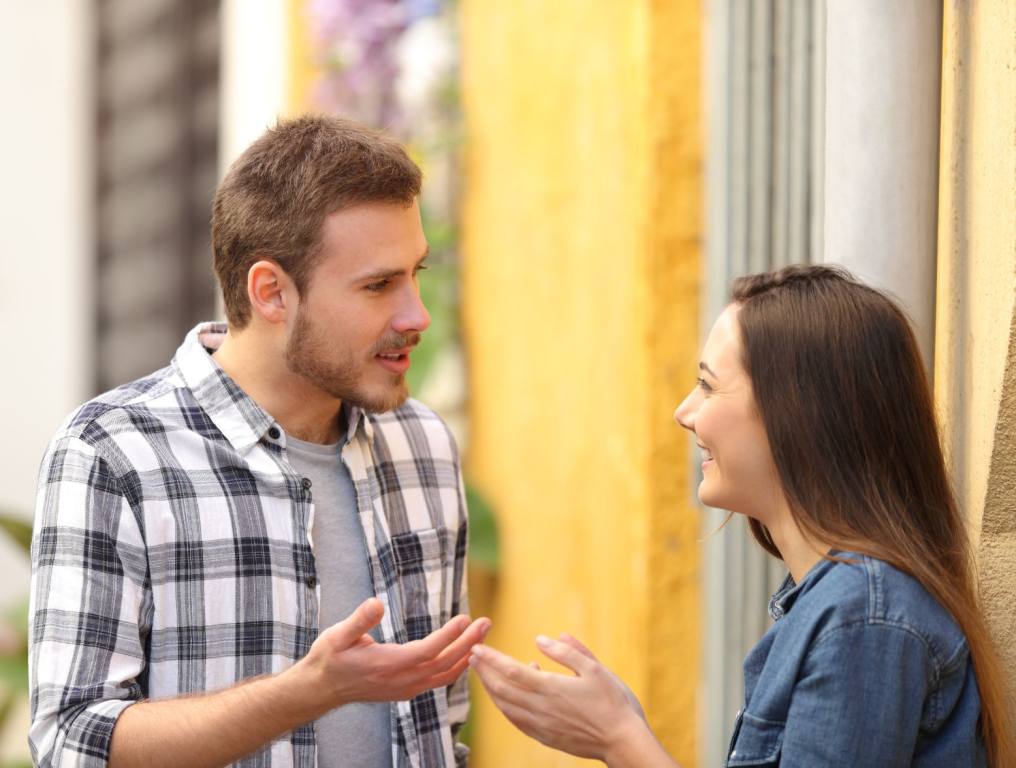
[847,408]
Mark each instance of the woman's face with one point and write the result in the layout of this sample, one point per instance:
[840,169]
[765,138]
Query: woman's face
[738,473]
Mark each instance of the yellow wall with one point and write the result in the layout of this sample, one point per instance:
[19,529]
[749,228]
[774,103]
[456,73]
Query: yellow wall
[975,355]
[582,267]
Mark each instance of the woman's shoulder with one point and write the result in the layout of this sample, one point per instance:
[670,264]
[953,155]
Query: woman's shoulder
[864,593]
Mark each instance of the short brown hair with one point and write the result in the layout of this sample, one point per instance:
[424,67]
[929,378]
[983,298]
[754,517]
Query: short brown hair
[275,197]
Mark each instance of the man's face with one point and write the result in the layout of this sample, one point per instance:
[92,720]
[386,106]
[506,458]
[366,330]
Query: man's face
[361,313]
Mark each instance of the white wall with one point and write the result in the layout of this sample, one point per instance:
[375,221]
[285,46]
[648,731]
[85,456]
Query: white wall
[883,75]
[45,243]
[253,71]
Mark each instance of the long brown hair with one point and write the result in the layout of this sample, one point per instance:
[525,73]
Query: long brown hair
[848,411]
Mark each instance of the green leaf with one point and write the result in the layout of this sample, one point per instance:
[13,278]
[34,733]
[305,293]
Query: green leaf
[18,529]
[14,672]
[484,548]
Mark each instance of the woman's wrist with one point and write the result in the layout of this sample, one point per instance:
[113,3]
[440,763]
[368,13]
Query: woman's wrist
[633,745]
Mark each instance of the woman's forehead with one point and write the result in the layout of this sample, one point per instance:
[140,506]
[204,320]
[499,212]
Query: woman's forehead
[722,350]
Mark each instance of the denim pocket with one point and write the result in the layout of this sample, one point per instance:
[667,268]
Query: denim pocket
[756,742]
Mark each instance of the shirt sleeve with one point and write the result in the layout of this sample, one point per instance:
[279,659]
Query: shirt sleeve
[88,596]
[458,692]
[859,698]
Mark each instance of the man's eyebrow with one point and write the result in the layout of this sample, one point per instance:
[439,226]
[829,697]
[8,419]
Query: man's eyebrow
[707,369]
[388,274]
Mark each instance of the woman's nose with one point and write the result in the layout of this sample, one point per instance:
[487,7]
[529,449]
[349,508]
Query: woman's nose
[685,412]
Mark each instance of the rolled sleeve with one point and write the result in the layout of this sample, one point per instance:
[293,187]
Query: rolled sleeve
[88,599]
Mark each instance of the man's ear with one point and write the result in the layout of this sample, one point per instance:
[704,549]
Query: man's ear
[269,290]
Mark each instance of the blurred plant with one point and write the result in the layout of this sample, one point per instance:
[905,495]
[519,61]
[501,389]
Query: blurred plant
[14,640]
[393,64]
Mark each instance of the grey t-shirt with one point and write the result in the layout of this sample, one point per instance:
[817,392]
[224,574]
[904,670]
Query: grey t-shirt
[357,735]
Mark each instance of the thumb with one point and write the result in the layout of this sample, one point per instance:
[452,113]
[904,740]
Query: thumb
[366,616]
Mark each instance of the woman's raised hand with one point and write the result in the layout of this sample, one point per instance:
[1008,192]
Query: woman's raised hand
[592,714]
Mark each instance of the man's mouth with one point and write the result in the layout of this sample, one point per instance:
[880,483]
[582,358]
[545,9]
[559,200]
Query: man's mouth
[395,360]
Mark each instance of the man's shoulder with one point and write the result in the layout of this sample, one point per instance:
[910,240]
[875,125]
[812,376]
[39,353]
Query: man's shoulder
[418,429]
[144,405]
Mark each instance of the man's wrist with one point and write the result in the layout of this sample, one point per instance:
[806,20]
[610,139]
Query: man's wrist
[300,693]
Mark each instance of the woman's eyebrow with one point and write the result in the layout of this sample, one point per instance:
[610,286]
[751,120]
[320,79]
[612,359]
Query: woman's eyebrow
[707,369]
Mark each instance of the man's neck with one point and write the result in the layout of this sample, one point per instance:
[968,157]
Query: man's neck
[258,366]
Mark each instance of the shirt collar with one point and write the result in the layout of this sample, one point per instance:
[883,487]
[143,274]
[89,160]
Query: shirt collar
[241,420]
[783,599]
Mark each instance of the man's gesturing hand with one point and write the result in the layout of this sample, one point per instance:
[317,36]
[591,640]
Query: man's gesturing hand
[345,664]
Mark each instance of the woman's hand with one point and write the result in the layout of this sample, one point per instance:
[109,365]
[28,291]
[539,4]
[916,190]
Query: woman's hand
[593,714]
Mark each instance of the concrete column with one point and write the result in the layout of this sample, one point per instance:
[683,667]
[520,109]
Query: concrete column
[883,73]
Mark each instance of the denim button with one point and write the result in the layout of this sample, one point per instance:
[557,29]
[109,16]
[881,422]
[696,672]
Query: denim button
[312,581]
[306,483]
[274,433]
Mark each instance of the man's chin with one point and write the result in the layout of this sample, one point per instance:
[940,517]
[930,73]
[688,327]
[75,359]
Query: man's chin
[381,402]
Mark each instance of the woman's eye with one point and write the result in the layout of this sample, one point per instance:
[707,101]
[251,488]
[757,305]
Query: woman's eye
[703,384]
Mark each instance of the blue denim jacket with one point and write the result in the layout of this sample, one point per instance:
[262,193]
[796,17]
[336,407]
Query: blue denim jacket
[863,667]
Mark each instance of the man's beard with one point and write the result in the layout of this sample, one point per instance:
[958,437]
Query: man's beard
[310,354]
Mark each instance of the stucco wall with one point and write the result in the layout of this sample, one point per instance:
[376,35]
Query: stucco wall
[581,259]
[975,365]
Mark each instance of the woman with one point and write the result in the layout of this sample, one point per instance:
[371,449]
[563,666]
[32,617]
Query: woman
[815,420]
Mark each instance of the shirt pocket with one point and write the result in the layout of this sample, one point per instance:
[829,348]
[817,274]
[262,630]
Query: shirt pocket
[420,566]
[755,742]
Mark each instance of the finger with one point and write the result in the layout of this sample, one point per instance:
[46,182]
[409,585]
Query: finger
[509,668]
[534,665]
[568,656]
[430,647]
[460,648]
[365,617]
[522,719]
[577,644]
[503,690]
[446,678]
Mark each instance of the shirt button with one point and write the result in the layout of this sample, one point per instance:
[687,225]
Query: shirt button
[274,433]
[312,581]
[306,483]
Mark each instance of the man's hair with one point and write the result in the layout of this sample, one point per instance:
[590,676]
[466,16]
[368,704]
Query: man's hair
[275,197]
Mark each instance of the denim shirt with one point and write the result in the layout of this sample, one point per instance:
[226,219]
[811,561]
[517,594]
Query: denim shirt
[863,667]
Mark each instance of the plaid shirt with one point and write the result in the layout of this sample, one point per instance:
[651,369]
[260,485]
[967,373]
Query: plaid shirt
[171,556]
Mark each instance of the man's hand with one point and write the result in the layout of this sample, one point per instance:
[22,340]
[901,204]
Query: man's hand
[345,664]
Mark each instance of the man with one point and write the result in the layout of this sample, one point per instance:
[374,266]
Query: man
[237,557]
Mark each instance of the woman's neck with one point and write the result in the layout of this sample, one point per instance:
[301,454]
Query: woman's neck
[800,553]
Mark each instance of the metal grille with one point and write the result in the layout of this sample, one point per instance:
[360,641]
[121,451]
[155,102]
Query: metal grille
[156,169]
[765,85]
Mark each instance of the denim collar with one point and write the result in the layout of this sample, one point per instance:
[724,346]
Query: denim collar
[783,599]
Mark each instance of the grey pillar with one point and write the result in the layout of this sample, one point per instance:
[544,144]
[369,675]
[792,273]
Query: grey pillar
[883,77]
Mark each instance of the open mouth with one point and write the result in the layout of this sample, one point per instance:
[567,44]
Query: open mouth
[707,457]
[396,361]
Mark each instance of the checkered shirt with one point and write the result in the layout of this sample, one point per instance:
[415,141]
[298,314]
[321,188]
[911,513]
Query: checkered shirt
[171,556]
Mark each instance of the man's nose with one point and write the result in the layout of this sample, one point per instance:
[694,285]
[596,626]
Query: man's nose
[412,316]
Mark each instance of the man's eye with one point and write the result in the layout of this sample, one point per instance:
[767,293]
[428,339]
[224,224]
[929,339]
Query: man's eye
[377,287]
